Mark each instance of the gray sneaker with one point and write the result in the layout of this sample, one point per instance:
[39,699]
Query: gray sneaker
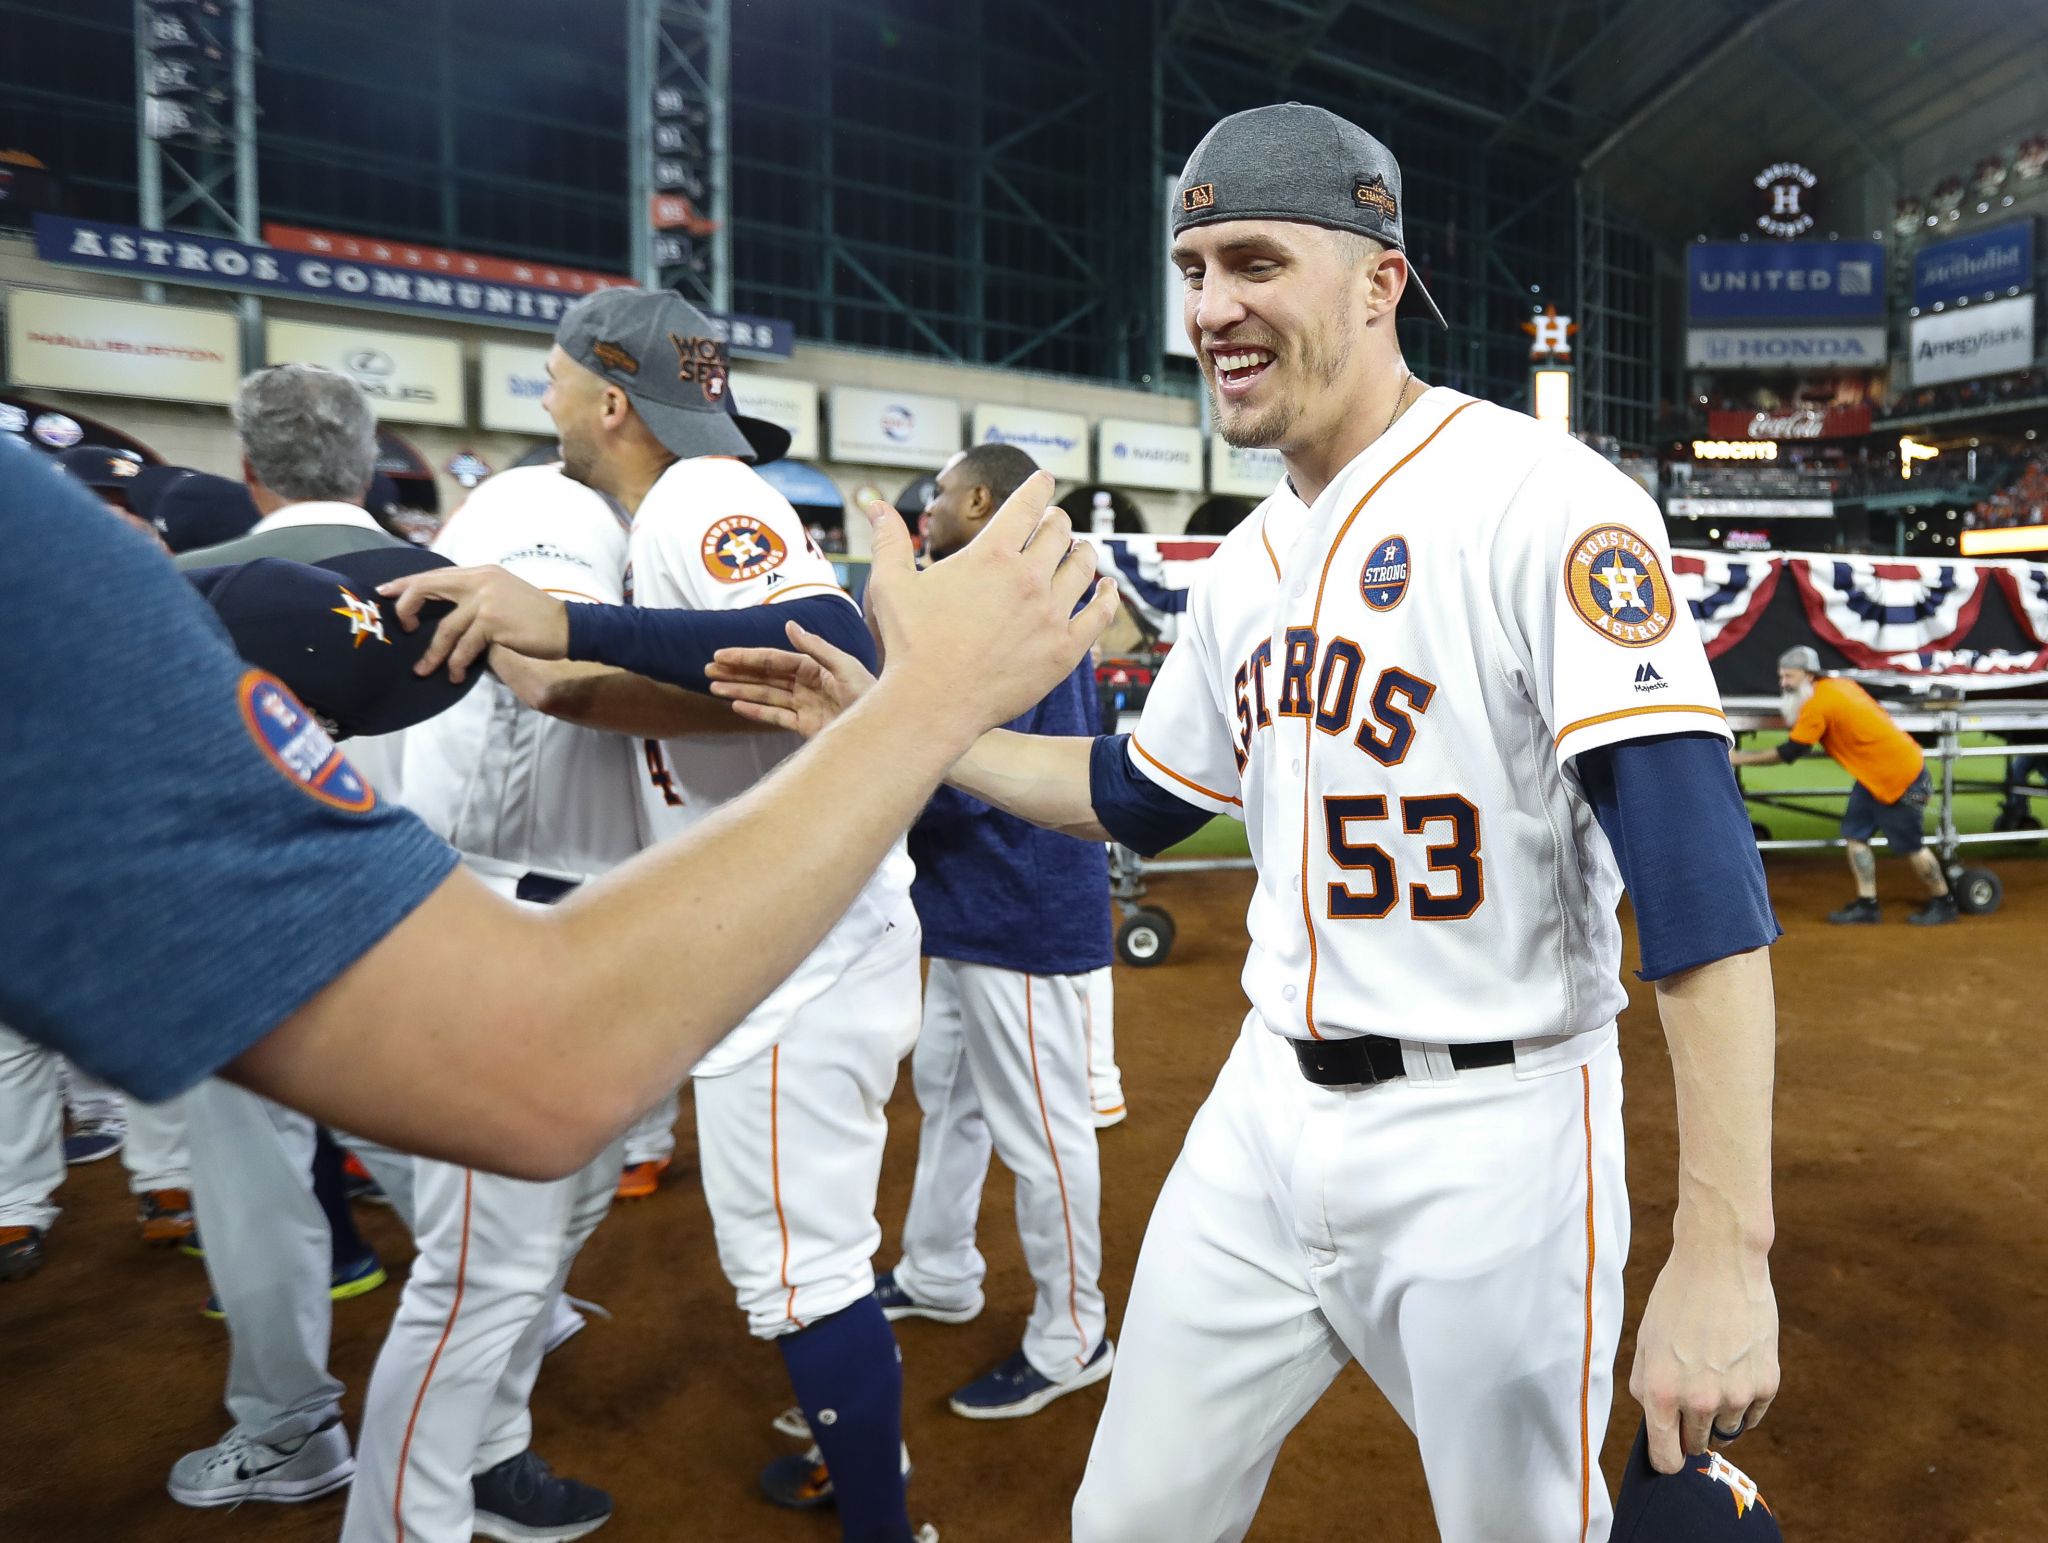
[239,1467]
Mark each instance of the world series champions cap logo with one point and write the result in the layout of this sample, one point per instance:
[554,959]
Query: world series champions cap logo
[702,361]
[1617,586]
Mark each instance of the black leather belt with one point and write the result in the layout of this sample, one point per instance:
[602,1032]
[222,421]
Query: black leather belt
[544,888]
[1345,1063]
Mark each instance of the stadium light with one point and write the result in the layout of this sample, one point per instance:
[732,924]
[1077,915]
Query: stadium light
[1911,450]
[1553,397]
[2005,541]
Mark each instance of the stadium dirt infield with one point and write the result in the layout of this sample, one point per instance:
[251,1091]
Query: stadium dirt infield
[1912,1270]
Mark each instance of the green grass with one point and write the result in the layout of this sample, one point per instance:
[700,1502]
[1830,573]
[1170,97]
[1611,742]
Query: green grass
[1225,837]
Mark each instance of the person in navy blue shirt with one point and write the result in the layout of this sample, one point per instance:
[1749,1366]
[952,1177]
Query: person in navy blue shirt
[1016,924]
[180,831]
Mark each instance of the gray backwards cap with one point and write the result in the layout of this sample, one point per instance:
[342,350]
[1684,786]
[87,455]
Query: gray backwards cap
[1800,657]
[1294,162]
[662,352]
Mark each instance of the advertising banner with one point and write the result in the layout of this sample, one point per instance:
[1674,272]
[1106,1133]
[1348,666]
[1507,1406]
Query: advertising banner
[173,257]
[1987,262]
[1974,340]
[789,404]
[408,378]
[1058,442]
[893,428]
[1784,348]
[1792,281]
[170,353]
[1790,423]
[1135,454]
[1250,473]
[511,380]
[1753,508]
[434,259]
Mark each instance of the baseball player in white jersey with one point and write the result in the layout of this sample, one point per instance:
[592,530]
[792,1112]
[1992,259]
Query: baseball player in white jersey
[535,805]
[790,1104]
[1440,675]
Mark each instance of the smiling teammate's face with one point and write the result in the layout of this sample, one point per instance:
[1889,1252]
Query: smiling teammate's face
[1278,314]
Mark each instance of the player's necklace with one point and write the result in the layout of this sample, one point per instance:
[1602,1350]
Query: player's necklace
[1400,402]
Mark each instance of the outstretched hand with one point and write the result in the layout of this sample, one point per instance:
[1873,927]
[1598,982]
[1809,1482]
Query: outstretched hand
[490,606]
[802,691]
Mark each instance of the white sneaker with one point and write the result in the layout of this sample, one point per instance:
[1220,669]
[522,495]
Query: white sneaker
[242,1468]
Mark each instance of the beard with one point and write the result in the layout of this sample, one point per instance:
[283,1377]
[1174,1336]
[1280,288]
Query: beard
[1792,703]
[1322,358]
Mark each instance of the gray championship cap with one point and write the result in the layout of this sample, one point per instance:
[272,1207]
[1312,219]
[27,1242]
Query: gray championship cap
[1295,162]
[662,352]
[1800,658]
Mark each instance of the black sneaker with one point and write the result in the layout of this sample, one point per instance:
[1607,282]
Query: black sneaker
[1942,908]
[1857,913]
[521,1501]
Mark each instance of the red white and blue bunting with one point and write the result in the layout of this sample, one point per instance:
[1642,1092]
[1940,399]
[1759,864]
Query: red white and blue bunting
[1725,593]
[1871,610]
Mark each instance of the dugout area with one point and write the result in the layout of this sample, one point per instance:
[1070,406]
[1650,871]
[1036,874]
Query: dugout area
[1912,1212]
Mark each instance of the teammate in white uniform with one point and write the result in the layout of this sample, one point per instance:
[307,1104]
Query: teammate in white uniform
[1441,677]
[535,805]
[790,1104]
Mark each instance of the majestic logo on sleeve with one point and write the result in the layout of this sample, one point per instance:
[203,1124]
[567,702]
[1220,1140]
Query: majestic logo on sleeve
[1617,586]
[364,619]
[292,740]
[1384,578]
[739,547]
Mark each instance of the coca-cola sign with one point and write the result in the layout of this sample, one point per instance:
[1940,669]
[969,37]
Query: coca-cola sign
[1790,423]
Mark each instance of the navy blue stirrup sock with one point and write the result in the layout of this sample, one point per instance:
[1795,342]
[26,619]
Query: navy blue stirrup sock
[849,1378]
[332,1193]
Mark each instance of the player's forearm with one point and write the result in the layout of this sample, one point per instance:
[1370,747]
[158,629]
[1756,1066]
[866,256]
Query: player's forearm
[522,1041]
[1036,777]
[596,696]
[1720,1023]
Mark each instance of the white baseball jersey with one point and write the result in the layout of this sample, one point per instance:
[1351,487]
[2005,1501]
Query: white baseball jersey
[1389,687]
[493,778]
[711,535]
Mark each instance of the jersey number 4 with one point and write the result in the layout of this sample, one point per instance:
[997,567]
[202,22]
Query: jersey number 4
[1457,856]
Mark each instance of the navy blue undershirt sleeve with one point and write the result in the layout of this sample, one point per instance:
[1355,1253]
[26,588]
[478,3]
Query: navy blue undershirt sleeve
[176,879]
[1680,832]
[674,645]
[1135,810]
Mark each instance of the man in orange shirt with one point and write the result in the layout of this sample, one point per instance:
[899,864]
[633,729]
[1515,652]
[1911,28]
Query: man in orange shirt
[1891,788]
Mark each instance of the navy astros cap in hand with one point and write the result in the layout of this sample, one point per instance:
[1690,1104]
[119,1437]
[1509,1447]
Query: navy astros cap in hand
[326,633]
[1709,1500]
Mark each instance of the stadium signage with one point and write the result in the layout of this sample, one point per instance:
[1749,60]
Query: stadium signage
[1251,473]
[512,379]
[1986,263]
[1753,508]
[1806,281]
[1976,340]
[408,377]
[1784,348]
[215,262]
[893,428]
[1795,423]
[1058,442]
[169,353]
[788,404]
[1786,199]
[1133,453]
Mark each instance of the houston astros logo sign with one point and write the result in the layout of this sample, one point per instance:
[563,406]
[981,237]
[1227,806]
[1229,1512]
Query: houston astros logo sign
[1617,586]
[739,547]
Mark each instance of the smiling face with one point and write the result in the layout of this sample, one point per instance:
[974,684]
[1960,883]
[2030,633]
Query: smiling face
[1282,316]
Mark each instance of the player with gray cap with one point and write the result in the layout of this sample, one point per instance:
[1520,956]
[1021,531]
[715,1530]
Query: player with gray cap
[1441,675]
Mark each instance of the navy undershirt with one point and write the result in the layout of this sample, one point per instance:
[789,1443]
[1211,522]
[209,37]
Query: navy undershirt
[1669,806]
[674,645]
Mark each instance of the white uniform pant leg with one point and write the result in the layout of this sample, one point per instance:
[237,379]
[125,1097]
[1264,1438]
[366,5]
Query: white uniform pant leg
[508,1427]
[86,1096]
[31,1132]
[393,1171]
[1105,1078]
[1027,1050]
[268,1254]
[1224,1345]
[491,1251]
[1482,1225]
[941,1265]
[652,1137]
[154,1153]
[790,1144]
